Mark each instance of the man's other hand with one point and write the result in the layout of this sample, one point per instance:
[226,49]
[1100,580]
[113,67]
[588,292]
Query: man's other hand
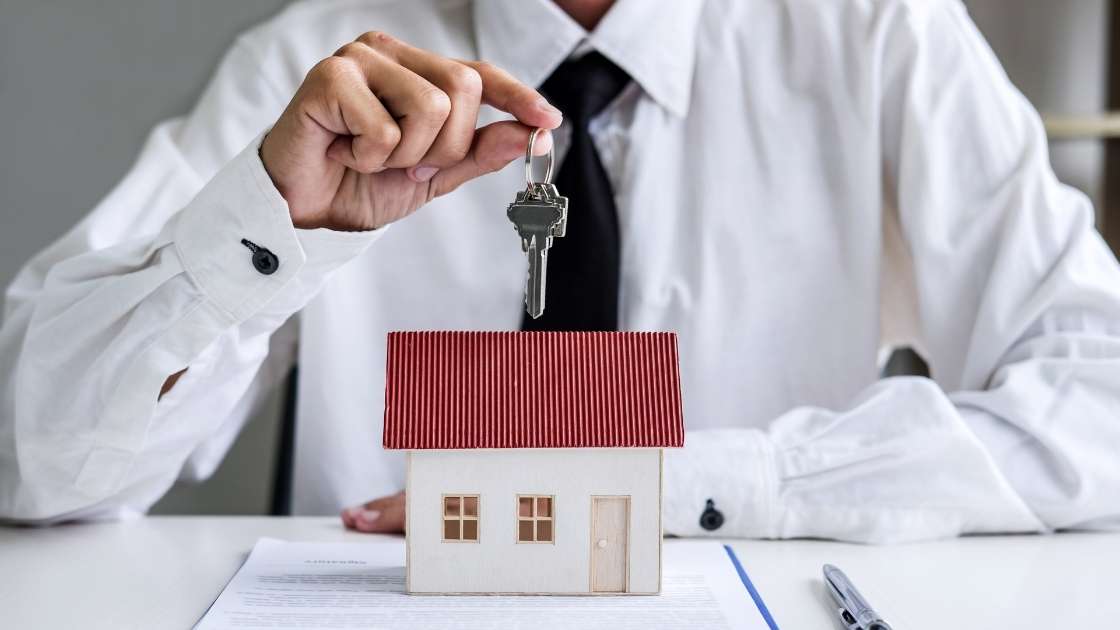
[380,128]
[380,516]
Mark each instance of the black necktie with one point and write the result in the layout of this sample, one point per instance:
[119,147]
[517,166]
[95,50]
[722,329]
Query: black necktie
[582,284]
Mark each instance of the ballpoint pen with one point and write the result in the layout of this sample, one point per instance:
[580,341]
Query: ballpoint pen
[855,612]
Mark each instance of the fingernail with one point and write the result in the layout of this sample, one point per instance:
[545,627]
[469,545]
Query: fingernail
[424,173]
[543,144]
[369,517]
[547,108]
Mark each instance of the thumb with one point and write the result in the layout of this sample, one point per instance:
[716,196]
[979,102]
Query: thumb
[494,146]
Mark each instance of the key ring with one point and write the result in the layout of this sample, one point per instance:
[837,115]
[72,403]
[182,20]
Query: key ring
[529,183]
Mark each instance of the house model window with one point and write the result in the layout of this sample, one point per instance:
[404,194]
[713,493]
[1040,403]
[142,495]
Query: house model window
[534,518]
[460,518]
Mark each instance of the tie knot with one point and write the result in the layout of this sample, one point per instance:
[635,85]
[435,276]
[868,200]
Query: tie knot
[581,88]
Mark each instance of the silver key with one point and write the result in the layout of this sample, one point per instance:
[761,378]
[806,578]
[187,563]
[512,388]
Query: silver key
[539,214]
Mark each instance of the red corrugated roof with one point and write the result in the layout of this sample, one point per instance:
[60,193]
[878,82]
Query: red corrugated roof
[454,390]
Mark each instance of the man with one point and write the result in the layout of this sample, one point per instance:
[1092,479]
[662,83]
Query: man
[788,185]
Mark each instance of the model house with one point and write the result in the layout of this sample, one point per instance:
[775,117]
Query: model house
[534,459]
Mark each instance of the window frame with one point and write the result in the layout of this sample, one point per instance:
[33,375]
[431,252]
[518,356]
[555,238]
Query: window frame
[534,518]
[461,518]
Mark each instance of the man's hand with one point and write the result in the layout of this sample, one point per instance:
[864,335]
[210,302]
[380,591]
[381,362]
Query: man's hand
[380,128]
[381,516]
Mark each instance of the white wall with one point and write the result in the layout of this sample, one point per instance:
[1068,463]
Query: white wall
[497,564]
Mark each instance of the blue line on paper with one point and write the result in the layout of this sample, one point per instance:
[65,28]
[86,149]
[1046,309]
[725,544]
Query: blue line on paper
[751,589]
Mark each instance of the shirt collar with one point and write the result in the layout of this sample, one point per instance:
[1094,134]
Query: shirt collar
[655,43]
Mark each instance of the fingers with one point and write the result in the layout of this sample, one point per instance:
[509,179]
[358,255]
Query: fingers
[371,135]
[396,106]
[495,146]
[501,90]
[340,101]
[461,83]
[419,107]
[468,83]
[384,516]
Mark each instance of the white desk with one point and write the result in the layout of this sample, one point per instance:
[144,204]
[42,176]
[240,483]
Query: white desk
[162,572]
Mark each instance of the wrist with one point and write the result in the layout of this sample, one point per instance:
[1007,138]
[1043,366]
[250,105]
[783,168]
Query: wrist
[732,468]
[307,212]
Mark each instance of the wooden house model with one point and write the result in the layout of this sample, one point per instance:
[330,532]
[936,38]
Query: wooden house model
[534,459]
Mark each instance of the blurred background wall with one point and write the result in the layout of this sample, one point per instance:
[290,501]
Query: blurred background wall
[82,82]
[1057,54]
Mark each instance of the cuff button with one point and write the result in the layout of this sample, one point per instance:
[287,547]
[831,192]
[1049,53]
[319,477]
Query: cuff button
[711,519]
[264,260]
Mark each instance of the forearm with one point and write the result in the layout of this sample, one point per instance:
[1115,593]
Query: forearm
[87,349]
[900,464]
[1050,419]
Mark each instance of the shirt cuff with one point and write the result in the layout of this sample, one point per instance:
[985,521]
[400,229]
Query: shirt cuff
[732,468]
[240,211]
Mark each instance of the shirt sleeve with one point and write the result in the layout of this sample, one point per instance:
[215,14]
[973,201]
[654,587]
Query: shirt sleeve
[1019,305]
[159,277]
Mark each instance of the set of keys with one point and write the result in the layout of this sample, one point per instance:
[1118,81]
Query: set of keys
[539,214]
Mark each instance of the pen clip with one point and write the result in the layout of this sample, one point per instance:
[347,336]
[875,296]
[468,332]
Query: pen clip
[848,620]
[833,582]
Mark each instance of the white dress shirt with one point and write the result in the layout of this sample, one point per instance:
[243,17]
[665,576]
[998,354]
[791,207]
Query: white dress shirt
[799,185]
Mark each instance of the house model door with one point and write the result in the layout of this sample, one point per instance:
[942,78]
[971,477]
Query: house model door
[610,544]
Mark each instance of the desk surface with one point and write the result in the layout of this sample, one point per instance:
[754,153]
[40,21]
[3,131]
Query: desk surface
[162,572]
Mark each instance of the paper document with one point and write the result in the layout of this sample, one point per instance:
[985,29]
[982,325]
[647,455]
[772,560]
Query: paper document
[361,585]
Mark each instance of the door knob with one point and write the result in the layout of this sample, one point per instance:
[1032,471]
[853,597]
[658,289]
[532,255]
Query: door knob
[602,544]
